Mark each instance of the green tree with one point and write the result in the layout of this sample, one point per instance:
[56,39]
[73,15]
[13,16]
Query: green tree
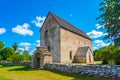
[1,45]
[105,54]
[110,18]
[97,55]
[26,55]
[6,53]
[117,55]
[16,57]
[15,46]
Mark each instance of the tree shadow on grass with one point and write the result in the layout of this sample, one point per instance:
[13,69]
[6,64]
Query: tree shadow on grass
[23,69]
[3,66]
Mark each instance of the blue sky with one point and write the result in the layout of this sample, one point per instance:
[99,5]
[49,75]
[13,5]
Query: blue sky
[21,20]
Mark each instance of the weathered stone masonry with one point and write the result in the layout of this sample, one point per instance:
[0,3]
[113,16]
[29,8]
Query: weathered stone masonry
[9,63]
[90,70]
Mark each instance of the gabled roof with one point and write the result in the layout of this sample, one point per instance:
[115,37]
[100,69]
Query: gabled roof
[82,51]
[65,25]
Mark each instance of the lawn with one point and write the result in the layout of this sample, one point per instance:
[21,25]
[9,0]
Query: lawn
[25,73]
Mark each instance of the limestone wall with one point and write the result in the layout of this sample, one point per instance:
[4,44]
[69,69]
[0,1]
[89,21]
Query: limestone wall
[70,43]
[7,63]
[89,70]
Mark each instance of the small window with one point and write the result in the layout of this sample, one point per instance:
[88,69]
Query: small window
[46,31]
[49,20]
[49,48]
[70,55]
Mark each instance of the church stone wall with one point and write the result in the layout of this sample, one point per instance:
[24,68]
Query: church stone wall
[89,57]
[70,43]
[53,39]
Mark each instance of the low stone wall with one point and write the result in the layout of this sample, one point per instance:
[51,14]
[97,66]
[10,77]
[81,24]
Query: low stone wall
[89,70]
[25,63]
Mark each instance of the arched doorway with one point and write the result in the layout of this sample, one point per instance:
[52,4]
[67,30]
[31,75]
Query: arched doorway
[36,60]
[40,58]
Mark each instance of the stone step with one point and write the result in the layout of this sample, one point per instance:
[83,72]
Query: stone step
[43,49]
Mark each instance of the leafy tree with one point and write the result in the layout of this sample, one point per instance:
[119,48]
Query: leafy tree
[26,55]
[105,54]
[110,18]
[15,46]
[6,53]
[117,55]
[97,55]
[1,45]
[16,57]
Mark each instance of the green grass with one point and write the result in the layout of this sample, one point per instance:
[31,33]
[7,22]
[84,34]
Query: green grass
[25,73]
[2,78]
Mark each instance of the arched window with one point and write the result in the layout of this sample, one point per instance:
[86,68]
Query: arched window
[46,32]
[46,37]
[70,55]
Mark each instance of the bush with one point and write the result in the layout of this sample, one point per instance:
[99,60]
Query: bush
[117,56]
[105,61]
[17,57]
[6,53]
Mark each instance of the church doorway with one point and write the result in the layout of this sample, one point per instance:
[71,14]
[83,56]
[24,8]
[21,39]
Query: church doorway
[37,61]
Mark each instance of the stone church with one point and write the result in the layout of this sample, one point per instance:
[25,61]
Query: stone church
[61,42]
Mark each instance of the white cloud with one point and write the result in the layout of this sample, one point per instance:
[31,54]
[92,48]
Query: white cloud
[105,34]
[2,30]
[39,21]
[25,45]
[99,26]
[20,49]
[100,43]
[23,29]
[31,52]
[38,42]
[95,34]
[94,47]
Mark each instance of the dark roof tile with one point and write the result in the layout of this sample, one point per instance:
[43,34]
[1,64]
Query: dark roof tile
[64,24]
[82,51]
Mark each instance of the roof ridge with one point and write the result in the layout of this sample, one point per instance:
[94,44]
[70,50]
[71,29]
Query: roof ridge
[62,23]
[68,22]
